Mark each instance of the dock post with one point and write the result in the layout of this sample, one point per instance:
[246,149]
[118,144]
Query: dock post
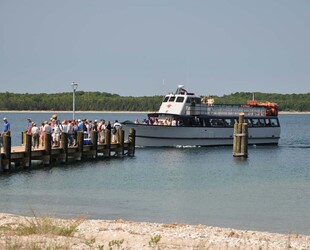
[94,141]
[7,152]
[24,137]
[235,142]
[48,149]
[107,139]
[244,140]
[121,140]
[80,142]
[1,143]
[240,143]
[132,142]
[28,145]
[64,145]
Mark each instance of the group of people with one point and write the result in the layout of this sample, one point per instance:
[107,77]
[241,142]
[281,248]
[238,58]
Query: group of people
[164,122]
[71,127]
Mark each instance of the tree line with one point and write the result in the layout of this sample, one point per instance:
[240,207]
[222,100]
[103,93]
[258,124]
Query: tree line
[102,101]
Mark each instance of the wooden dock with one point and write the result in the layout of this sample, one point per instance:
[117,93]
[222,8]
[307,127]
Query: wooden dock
[16,157]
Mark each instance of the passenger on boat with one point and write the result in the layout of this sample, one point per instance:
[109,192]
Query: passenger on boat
[156,122]
[174,122]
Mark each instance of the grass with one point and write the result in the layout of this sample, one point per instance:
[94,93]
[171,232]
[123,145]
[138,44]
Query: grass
[46,225]
[154,241]
[36,226]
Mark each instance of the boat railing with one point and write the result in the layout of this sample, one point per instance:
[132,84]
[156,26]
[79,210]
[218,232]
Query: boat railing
[225,110]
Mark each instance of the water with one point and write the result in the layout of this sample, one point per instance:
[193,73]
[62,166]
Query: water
[269,191]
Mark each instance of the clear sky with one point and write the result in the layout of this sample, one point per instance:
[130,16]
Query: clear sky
[148,47]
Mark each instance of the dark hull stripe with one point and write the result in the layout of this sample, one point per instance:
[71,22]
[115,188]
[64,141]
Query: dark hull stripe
[203,138]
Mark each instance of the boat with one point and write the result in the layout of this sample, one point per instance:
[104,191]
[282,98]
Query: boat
[185,119]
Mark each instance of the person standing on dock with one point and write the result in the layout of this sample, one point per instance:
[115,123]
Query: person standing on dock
[47,128]
[69,131]
[115,128]
[56,133]
[101,128]
[6,127]
[42,134]
[29,126]
[35,131]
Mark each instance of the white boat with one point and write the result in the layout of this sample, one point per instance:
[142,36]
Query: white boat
[185,119]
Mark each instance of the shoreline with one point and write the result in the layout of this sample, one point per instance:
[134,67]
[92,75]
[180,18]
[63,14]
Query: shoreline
[120,234]
[117,112]
[62,111]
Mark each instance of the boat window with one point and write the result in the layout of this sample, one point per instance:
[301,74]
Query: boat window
[274,122]
[229,122]
[267,122]
[188,100]
[262,122]
[191,122]
[248,121]
[180,99]
[255,122]
[171,99]
[206,122]
[197,100]
[166,99]
[217,122]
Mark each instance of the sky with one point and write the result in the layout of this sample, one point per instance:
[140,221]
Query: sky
[149,47]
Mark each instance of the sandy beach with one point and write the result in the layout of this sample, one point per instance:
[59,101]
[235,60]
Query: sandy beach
[20,232]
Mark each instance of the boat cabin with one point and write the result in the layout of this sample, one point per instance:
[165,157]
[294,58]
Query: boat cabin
[187,109]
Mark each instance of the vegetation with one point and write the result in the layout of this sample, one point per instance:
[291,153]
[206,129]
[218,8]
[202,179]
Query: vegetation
[14,234]
[154,241]
[101,101]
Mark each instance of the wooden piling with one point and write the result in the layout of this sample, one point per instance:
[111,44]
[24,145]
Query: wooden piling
[28,145]
[80,143]
[94,142]
[240,143]
[7,152]
[132,142]
[48,148]
[235,141]
[107,139]
[121,141]
[64,145]
[1,145]
[244,140]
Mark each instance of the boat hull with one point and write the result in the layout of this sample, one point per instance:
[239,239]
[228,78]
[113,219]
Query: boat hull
[169,136]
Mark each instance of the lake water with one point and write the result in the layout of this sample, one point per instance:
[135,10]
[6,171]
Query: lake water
[269,191]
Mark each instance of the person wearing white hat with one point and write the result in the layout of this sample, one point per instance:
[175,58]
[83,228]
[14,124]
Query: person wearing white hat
[6,127]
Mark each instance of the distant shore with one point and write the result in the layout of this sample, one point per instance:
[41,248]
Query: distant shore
[21,232]
[116,112]
[63,111]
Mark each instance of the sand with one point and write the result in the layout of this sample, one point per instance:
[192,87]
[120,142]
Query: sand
[119,234]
